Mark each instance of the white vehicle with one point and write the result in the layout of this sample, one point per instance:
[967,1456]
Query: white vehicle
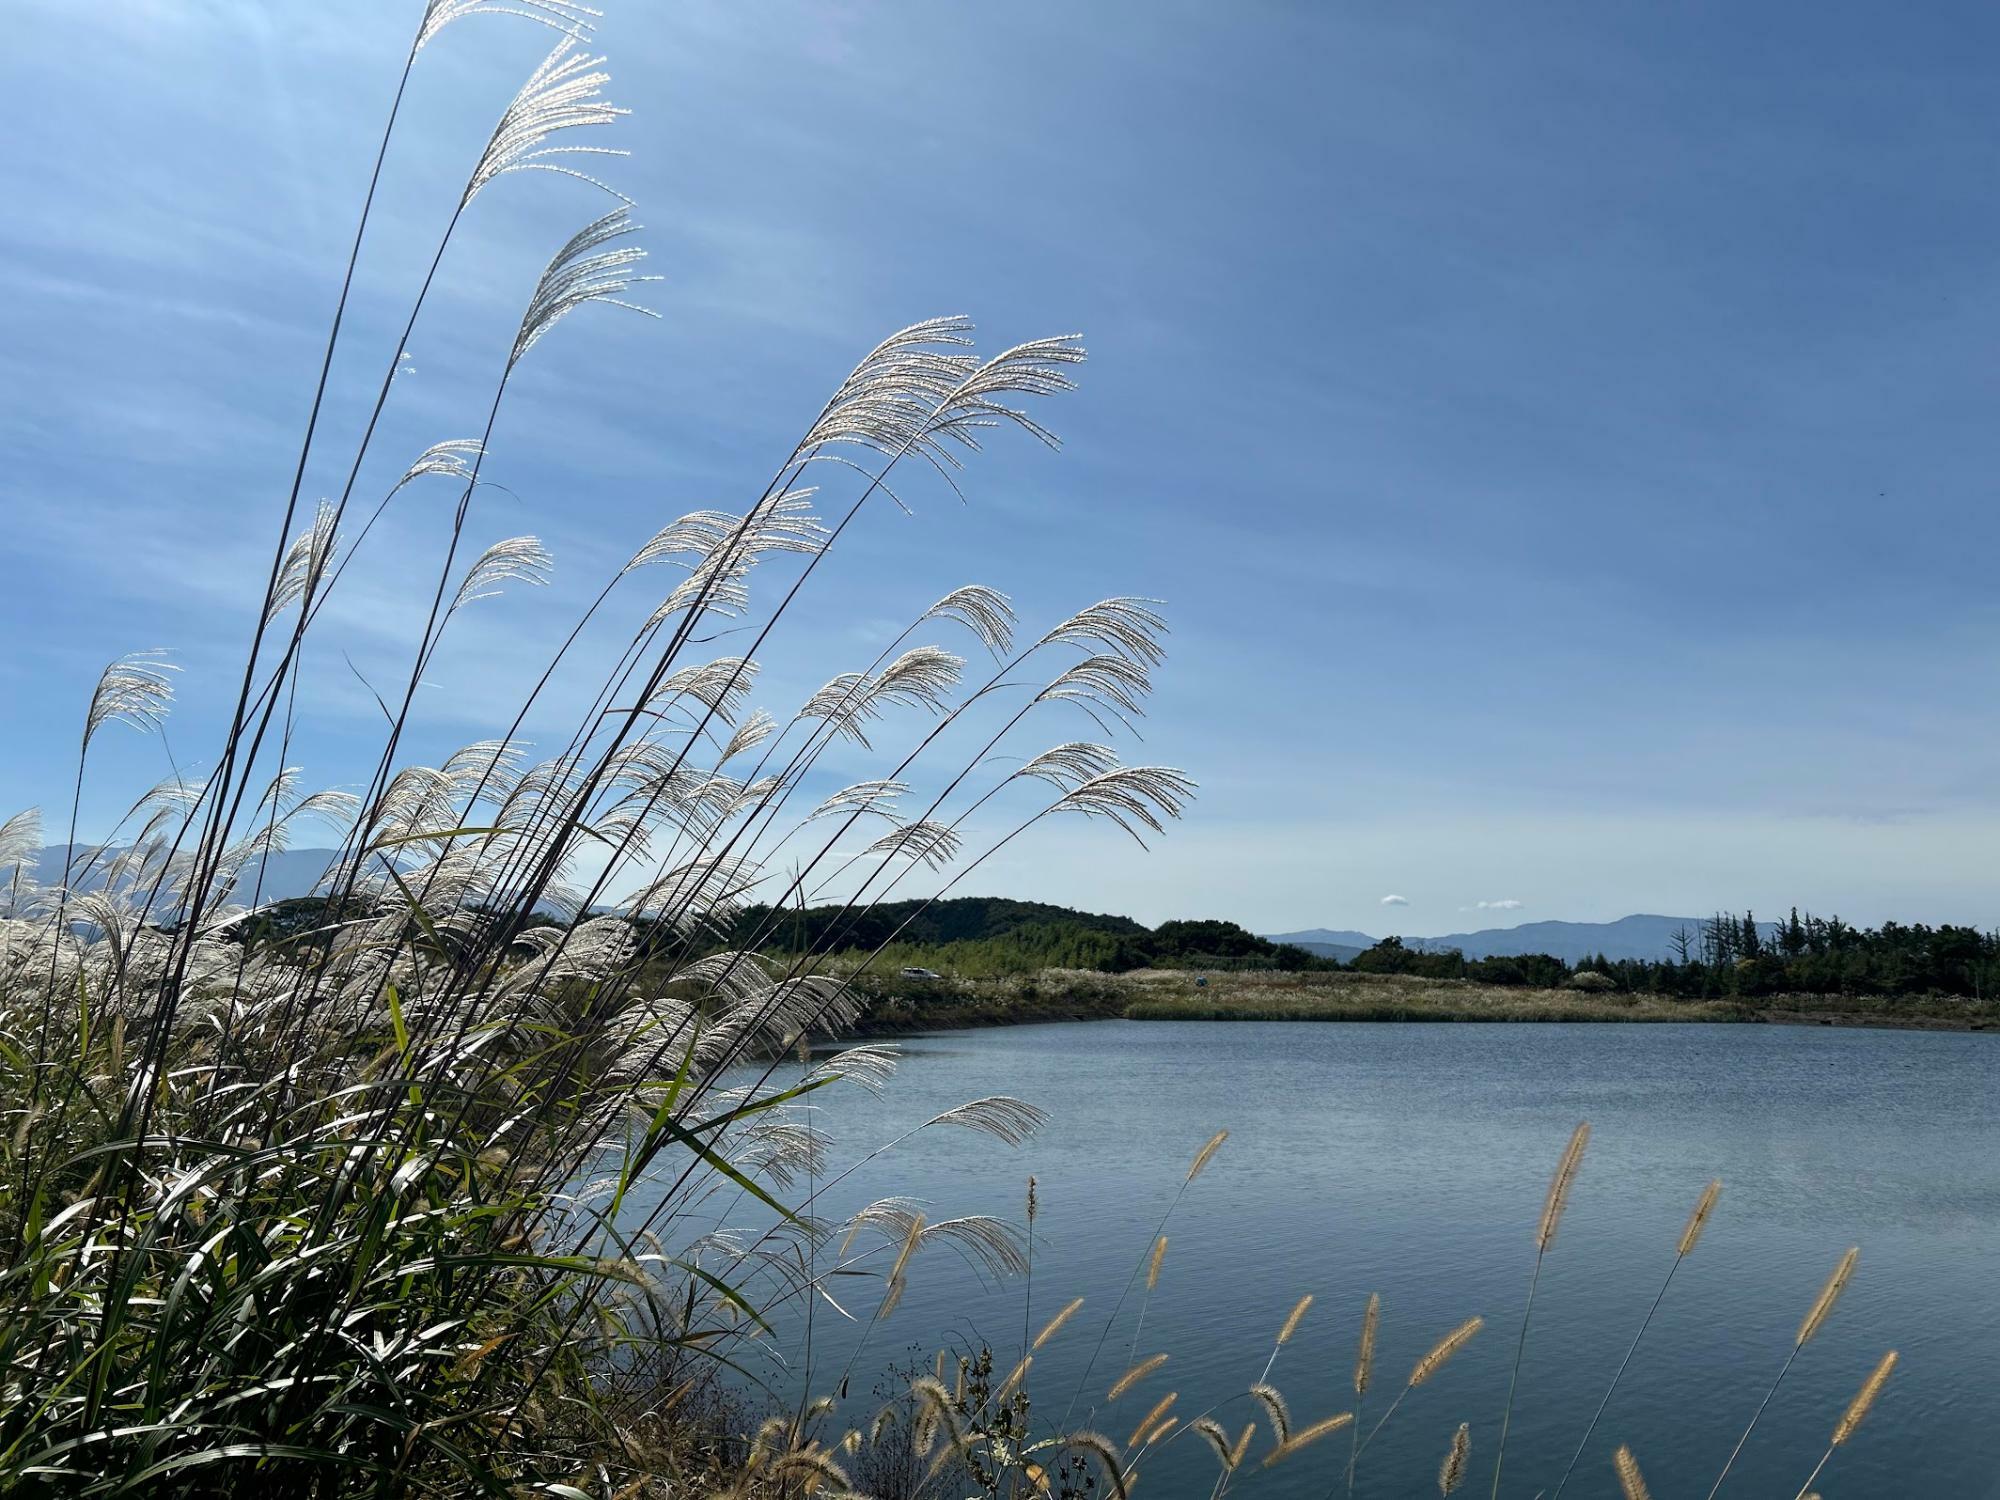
[913,972]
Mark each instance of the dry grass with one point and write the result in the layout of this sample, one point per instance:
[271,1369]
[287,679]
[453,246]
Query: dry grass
[1173,995]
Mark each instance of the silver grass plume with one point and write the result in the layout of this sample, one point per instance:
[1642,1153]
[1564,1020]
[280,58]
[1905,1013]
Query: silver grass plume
[1131,627]
[454,458]
[1107,687]
[581,273]
[1005,1119]
[926,842]
[565,16]
[987,613]
[1070,765]
[1036,368]
[784,523]
[877,798]
[305,562]
[920,678]
[518,559]
[561,94]
[135,690]
[896,388]
[20,840]
[1133,797]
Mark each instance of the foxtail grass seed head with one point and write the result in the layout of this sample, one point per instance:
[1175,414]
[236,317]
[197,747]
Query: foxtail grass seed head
[1210,1432]
[1273,1402]
[1630,1480]
[1134,1375]
[1364,1359]
[1560,1185]
[1153,1263]
[1698,1220]
[1162,1430]
[1014,1379]
[1152,1418]
[1294,1319]
[1242,1445]
[1447,1346]
[1101,1448]
[1829,1294]
[1306,1436]
[1201,1157]
[1033,1204]
[1864,1399]
[1451,1474]
[1054,1325]
[815,1463]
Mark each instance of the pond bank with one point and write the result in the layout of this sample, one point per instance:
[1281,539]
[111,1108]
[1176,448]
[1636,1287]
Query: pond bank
[900,1007]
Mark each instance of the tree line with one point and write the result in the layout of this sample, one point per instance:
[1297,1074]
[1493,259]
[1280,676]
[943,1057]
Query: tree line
[980,936]
[1729,956]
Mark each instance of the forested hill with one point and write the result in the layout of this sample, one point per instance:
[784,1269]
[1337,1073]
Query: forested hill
[995,935]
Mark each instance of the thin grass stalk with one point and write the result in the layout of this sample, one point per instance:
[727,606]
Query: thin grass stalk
[1822,1307]
[1697,1221]
[1852,1417]
[1545,1234]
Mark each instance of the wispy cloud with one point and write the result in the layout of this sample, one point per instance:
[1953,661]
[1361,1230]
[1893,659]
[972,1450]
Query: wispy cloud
[1395,900]
[1505,904]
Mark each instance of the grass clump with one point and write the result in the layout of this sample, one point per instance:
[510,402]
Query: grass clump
[420,1199]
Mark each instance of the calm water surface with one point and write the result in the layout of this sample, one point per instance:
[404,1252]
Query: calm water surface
[1412,1160]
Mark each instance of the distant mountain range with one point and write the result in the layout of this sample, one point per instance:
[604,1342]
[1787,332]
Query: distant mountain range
[1640,936]
[294,872]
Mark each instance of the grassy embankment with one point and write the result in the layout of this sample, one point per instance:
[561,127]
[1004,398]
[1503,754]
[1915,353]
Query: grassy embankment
[1172,995]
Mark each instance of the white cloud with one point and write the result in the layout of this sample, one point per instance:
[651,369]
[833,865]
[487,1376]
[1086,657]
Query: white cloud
[1395,900]
[1509,904]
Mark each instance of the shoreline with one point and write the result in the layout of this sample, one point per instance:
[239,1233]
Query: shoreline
[904,1008]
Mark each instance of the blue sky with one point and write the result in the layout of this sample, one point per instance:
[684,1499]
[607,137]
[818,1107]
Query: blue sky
[1562,433]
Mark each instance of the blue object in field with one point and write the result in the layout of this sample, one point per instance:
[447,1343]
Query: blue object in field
[1201,981]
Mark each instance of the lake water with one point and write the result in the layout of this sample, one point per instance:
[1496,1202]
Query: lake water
[1412,1160]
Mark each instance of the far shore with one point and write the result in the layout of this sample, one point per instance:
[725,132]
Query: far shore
[900,1006]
